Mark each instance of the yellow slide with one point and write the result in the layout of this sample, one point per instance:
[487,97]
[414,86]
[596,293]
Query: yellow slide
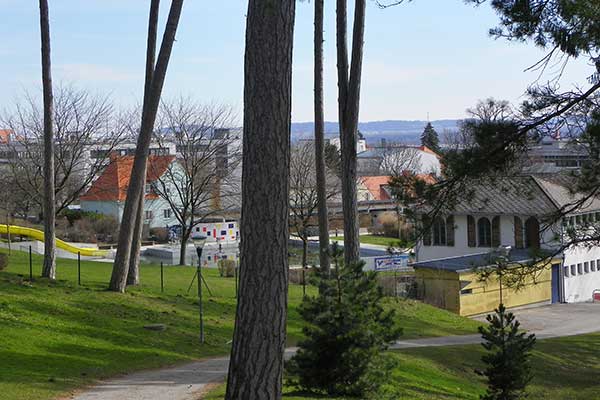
[39,235]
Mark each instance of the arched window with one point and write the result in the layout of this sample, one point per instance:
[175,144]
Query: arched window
[532,233]
[484,232]
[439,232]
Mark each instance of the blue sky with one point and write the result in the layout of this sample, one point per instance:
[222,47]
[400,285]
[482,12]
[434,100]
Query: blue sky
[427,56]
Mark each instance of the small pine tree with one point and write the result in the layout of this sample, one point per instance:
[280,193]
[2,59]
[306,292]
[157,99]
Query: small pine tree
[430,138]
[346,331]
[508,370]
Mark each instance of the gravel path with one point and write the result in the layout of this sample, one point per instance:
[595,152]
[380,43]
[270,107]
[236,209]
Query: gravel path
[187,382]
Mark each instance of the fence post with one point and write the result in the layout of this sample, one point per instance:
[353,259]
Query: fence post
[162,288]
[79,268]
[30,266]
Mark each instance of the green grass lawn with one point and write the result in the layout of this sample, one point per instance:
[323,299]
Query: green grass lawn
[564,368]
[373,239]
[57,336]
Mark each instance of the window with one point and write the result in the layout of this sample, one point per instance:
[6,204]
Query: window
[167,213]
[579,269]
[598,265]
[566,271]
[593,266]
[230,226]
[466,291]
[147,188]
[484,232]
[439,232]
[223,233]
[149,215]
[586,267]
[573,270]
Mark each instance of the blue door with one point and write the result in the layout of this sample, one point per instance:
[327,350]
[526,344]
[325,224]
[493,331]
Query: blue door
[555,283]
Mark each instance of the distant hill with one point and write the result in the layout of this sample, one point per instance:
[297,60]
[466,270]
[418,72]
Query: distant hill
[392,130]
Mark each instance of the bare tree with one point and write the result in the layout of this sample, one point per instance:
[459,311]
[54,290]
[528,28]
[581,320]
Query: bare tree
[202,180]
[49,269]
[304,193]
[120,271]
[85,131]
[256,366]
[320,139]
[349,78]
[397,159]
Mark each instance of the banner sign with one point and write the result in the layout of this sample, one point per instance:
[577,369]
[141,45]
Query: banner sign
[391,263]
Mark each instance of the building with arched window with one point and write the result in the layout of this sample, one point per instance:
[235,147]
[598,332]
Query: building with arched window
[518,215]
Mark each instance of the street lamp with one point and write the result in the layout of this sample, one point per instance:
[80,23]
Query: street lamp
[199,244]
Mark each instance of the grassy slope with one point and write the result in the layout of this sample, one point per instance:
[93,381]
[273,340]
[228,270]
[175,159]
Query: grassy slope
[57,336]
[564,368]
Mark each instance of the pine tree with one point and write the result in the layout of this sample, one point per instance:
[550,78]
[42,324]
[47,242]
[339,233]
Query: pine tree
[430,138]
[508,370]
[346,331]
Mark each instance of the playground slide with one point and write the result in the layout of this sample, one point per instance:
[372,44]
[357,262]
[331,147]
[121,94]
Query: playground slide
[39,235]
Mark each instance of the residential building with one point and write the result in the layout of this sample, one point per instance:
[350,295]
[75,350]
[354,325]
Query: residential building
[388,159]
[518,214]
[108,193]
[555,154]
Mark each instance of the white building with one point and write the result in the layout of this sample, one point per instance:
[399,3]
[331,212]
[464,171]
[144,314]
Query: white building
[392,159]
[520,212]
[108,193]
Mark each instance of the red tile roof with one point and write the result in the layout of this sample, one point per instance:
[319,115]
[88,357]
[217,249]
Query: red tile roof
[375,185]
[5,135]
[113,183]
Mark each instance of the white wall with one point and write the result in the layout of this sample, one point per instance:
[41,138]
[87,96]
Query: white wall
[460,248]
[580,287]
[429,163]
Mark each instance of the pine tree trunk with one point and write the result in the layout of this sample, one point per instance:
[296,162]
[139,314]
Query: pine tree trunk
[348,112]
[256,366]
[133,276]
[49,269]
[136,184]
[320,140]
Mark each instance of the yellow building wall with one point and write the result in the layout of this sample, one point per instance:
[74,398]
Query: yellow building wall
[443,289]
[439,288]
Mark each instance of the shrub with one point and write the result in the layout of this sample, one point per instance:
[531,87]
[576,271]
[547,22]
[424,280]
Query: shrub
[508,370]
[347,330]
[3,261]
[160,235]
[226,268]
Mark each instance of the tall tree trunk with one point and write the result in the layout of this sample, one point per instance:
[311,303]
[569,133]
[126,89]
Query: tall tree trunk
[183,249]
[49,269]
[348,112]
[136,184]
[133,276]
[256,366]
[320,140]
